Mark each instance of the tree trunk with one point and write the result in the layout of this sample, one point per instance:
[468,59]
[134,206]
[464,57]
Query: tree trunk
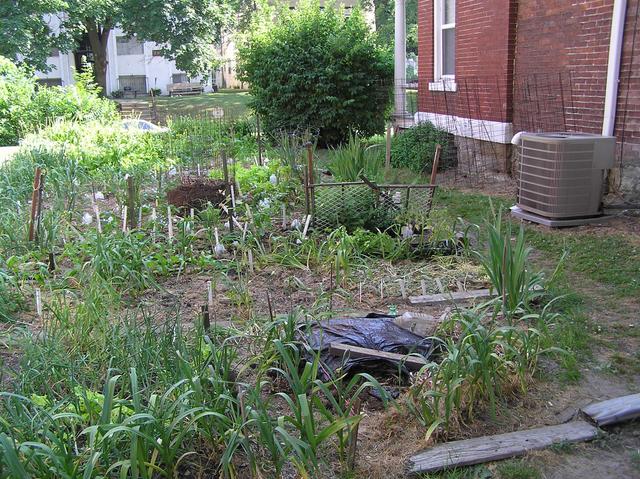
[98,38]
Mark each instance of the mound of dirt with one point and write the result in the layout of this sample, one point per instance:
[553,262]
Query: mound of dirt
[196,192]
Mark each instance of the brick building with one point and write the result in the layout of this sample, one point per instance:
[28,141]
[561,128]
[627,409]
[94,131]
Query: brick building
[490,68]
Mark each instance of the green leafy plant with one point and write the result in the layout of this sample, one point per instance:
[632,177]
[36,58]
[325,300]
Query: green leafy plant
[343,85]
[353,159]
[415,147]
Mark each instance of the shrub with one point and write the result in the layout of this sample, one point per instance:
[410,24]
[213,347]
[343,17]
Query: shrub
[26,107]
[415,147]
[314,68]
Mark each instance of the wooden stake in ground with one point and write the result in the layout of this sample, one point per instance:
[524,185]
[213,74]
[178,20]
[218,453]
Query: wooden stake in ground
[306,226]
[34,203]
[250,257]
[206,323]
[131,201]
[96,210]
[225,172]
[169,223]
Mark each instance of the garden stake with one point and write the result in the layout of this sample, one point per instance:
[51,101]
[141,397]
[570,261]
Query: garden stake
[269,304]
[250,254]
[423,285]
[131,201]
[210,294]
[169,223]
[284,216]
[124,218]
[206,322]
[225,171]
[96,210]
[38,302]
[360,291]
[381,289]
[139,217]
[219,248]
[39,212]
[52,262]
[233,197]
[259,138]
[198,169]
[387,156]
[306,226]
[34,203]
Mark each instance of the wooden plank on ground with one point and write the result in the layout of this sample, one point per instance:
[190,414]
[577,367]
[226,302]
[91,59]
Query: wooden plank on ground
[338,349]
[614,410]
[502,446]
[454,296]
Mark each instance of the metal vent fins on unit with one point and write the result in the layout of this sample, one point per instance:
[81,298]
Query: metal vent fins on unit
[562,174]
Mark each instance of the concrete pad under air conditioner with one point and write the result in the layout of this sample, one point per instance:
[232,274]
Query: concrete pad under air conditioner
[556,223]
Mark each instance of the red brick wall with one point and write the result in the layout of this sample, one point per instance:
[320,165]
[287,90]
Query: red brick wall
[571,37]
[485,34]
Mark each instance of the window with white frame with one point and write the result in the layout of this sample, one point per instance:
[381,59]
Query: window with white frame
[444,41]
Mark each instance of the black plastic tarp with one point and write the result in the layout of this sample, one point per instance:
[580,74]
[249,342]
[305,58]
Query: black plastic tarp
[373,331]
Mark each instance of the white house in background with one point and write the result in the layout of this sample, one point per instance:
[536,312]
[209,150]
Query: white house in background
[134,66]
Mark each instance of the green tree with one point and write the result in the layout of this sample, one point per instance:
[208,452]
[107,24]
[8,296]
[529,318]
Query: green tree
[315,68]
[187,30]
[385,22]
[26,33]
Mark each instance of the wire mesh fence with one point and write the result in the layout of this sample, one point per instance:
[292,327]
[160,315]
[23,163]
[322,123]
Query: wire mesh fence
[359,204]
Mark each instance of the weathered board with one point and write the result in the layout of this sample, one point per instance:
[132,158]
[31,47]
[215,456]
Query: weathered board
[502,446]
[614,410]
[337,349]
[455,296]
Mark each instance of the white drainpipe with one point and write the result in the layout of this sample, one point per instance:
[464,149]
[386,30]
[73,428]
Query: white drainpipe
[613,70]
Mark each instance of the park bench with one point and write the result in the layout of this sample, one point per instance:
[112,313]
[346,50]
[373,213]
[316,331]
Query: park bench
[176,89]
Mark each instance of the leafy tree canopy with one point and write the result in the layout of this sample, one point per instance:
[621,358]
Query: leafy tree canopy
[187,30]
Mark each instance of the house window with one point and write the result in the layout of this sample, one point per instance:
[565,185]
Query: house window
[444,42]
[179,78]
[129,46]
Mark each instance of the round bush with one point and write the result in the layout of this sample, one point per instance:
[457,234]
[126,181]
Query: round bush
[313,68]
[414,148]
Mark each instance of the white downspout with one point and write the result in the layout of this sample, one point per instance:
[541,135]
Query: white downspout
[613,69]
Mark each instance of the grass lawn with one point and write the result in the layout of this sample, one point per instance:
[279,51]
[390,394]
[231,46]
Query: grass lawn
[234,103]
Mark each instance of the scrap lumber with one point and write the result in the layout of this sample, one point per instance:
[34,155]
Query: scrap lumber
[455,296]
[412,362]
[458,296]
[501,446]
[614,410]
[420,323]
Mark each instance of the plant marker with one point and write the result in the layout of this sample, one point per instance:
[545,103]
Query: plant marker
[124,218]
[98,221]
[250,255]
[192,213]
[140,216]
[154,215]
[306,226]
[244,231]
[198,169]
[169,223]
[38,302]
[219,248]
[381,289]
[284,216]
[423,285]
[210,294]
[360,291]
[233,198]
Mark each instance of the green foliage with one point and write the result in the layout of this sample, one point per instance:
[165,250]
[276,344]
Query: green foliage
[355,158]
[352,208]
[25,107]
[414,148]
[314,68]
[26,31]
[506,262]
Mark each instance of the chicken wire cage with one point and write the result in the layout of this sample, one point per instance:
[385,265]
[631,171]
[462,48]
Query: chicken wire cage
[363,204]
